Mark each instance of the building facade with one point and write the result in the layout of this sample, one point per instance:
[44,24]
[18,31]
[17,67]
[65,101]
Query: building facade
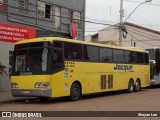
[49,17]
[24,19]
[135,36]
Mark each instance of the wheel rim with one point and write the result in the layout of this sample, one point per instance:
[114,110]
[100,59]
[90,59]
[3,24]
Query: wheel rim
[131,86]
[137,85]
[75,92]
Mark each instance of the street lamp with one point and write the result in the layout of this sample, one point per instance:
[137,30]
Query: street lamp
[136,8]
[121,19]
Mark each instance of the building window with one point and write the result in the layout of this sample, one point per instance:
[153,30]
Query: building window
[76,17]
[44,10]
[57,12]
[23,5]
[11,55]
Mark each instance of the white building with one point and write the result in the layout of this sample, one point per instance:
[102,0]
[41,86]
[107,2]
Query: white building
[137,36]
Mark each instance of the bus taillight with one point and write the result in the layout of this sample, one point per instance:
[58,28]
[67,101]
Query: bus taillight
[42,85]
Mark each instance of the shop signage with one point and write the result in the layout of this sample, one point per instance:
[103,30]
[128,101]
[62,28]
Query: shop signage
[12,33]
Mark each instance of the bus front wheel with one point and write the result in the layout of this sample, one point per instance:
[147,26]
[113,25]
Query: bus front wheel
[75,92]
[131,86]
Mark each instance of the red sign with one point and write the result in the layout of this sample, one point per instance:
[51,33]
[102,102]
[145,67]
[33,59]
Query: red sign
[73,28]
[12,33]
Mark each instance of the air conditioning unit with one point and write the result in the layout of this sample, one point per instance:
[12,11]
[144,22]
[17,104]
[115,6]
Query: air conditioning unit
[1,2]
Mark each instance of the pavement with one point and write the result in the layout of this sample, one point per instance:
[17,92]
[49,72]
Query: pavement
[6,97]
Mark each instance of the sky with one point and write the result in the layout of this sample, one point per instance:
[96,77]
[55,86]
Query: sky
[107,12]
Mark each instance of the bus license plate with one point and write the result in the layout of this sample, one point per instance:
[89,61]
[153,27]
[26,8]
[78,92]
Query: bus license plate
[25,92]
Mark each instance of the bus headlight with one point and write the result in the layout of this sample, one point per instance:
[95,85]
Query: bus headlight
[42,85]
[14,85]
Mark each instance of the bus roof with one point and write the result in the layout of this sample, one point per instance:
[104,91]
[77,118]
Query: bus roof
[152,48]
[51,39]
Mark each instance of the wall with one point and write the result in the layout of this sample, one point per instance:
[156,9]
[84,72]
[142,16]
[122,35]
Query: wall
[31,19]
[5,47]
[142,38]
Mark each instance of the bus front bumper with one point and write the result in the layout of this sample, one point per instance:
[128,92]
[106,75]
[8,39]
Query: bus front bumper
[31,93]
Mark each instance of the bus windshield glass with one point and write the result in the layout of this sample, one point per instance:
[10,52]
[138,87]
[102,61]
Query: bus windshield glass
[151,53]
[31,58]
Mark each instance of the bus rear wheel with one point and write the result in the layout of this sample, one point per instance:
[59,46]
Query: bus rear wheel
[137,86]
[131,86]
[75,92]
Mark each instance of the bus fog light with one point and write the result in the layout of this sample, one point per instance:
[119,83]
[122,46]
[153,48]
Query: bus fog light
[14,85]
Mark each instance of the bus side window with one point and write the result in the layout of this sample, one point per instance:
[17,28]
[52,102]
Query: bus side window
[57,59]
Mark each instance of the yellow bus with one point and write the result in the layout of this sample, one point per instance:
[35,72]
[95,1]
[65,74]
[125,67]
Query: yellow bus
[55,67]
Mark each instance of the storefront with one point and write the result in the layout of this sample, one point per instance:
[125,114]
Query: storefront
[9,34]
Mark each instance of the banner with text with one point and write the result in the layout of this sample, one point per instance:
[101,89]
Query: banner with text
[12,33]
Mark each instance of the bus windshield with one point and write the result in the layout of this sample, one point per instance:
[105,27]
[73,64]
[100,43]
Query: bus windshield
[151,54]
[31,60]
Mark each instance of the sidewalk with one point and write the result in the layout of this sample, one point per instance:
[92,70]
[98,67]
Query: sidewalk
[6,97]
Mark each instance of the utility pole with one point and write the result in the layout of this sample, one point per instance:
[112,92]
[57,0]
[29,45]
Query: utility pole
[121,23]
[121,20]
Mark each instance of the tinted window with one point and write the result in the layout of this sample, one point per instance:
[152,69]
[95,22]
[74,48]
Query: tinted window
[129,57]
[39,44]
[118,56]
[139,57]
[151,53]
[72,51]
[57,44]
[106,55]
[32,60]
[91,53]
[146,58]
[157,54]
[21,46]
[57,59]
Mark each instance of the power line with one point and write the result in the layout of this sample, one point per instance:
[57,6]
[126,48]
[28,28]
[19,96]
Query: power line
[140,40]
[142,33]
[100,20]
[100,9]
[57,15]
[65,17]
[39,26]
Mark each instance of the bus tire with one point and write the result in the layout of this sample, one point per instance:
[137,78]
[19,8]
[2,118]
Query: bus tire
[75,92]
[44,99]
[131,86]
[137,86]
